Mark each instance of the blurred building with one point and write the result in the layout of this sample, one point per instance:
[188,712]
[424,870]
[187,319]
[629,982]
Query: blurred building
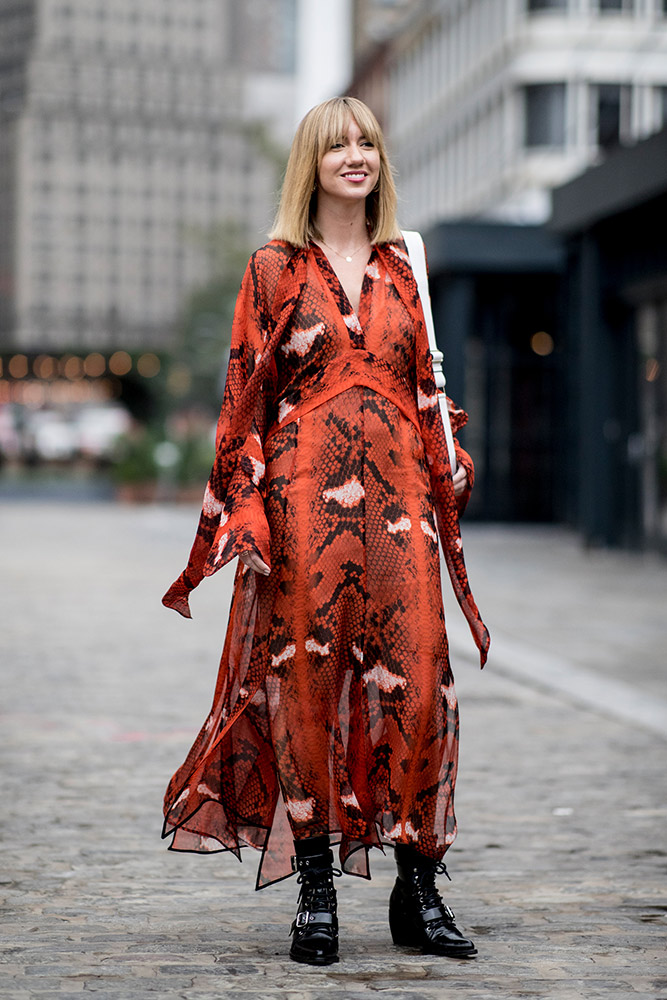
[497,305]
[488,105]
[554,338]
[614,412]
[374,22]
[129,130]
[262,49]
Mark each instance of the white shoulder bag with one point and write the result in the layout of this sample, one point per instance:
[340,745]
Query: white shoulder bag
[417,255]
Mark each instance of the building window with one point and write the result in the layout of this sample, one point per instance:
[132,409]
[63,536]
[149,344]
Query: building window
[547,5]
[545,114]
[616,6]
[613,113]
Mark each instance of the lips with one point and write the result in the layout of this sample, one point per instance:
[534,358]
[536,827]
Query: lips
[355,175]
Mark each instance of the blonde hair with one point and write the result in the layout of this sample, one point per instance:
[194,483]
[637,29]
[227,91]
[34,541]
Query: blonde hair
[320,128]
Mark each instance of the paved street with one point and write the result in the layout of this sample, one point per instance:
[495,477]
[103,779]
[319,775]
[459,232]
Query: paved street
[559,871]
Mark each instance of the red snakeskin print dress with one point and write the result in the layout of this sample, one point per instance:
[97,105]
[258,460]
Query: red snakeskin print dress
[335,698]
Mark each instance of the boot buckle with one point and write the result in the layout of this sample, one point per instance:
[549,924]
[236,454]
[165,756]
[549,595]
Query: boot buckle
[306,917]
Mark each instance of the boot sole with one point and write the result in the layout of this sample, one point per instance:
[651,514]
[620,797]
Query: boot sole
[427,950]
[327,960]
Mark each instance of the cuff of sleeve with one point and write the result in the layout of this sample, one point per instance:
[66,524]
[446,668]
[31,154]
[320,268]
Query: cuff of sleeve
[177,597]
[464,459]
[235,538]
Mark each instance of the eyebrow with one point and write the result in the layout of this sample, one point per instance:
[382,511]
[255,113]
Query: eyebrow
[342,136]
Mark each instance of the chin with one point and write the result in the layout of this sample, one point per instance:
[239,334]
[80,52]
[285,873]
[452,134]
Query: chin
[356,193]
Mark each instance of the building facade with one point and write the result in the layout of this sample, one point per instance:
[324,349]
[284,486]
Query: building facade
[374,22]
[488,105]
[131,131]
[615,296]
[496,290]
[529,137]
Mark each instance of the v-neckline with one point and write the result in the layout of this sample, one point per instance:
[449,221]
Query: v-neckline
[336,286]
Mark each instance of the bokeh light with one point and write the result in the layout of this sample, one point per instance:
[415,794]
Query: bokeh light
[18,366]
[94,365]
[73,368]
[180,380]
[34,395]
[542,343]
[111,387]
[148,365]
[120,363]
[44,366]
[652,369]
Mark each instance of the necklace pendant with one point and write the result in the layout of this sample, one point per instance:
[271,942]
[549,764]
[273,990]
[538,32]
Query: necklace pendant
[349,260]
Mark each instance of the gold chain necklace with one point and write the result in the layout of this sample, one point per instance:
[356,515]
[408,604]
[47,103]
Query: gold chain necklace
[346,257]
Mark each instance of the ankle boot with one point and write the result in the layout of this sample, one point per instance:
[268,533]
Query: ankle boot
[315,928]
[417,915]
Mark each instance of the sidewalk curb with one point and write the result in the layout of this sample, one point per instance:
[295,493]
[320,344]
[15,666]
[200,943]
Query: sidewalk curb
[547,671]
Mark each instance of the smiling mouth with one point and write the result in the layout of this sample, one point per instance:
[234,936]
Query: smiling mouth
[355,175]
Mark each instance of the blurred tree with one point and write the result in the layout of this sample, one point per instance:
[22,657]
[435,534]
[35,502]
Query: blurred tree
[135,462]
[197,372]
[199,360]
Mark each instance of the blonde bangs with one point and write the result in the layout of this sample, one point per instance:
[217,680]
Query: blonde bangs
[333,123]
[322,126]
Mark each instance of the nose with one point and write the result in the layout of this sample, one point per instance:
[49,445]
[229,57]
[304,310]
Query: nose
[355,154]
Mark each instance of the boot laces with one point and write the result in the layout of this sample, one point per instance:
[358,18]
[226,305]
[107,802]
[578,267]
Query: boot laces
[318,892]
[428,894]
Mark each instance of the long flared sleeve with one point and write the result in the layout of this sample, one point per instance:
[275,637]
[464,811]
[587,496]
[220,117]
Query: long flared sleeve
[448,507]
[233,518]
[242,519]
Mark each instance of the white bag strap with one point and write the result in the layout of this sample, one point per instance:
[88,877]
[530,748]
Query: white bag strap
[417,254]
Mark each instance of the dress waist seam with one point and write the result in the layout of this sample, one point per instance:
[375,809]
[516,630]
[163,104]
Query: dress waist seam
[291,414]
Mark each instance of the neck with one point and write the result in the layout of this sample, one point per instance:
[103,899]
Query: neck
[342,226]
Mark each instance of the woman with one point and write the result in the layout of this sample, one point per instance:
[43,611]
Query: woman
[334,716]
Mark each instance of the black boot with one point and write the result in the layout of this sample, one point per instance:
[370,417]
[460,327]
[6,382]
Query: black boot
[417,915]
[315,929]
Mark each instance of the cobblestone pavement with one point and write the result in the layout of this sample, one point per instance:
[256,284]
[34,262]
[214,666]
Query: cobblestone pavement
[559,868]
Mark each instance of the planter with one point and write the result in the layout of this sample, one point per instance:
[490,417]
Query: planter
[136,492]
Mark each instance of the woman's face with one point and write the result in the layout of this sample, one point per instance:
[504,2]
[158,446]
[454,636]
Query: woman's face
[350,169]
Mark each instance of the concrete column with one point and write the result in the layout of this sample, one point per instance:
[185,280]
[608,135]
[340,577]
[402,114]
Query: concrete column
[591,378]
[324,51]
